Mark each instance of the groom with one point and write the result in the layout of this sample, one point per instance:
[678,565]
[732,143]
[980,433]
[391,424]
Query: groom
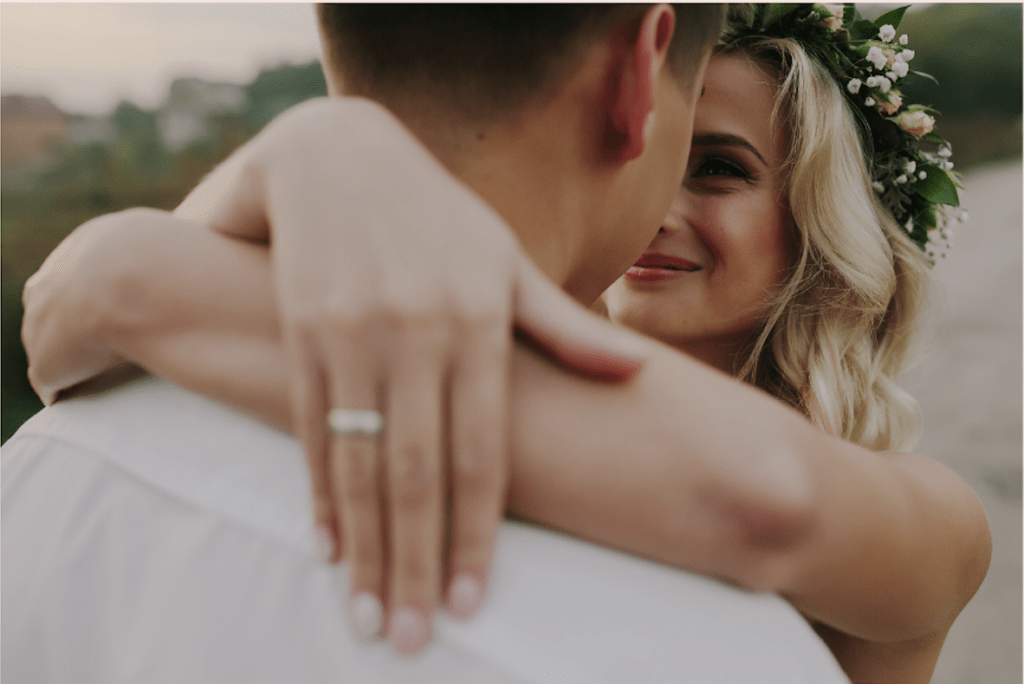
[152,535]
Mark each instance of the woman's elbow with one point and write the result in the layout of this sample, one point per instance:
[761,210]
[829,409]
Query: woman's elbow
[760,519]
[773,529]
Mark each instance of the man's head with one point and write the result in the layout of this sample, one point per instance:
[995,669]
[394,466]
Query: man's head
[481,61]
[595,100]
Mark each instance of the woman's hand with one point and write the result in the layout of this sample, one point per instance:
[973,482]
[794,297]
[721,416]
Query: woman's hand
[397,290]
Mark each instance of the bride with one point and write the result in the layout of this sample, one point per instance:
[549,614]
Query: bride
[792,260]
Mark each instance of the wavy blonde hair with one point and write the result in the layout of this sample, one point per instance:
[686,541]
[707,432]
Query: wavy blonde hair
[842,326]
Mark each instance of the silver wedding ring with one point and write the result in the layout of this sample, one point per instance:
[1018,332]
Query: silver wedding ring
[351,422]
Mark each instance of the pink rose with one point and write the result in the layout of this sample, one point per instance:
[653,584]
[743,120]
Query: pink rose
[834,22]
[895,102]
[916,123]
[890,56]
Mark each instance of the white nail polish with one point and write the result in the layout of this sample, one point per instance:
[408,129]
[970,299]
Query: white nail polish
[366,614]
[465,595]
[408,630]
[324,544]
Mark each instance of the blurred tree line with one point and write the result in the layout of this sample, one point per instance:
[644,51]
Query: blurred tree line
[39,208]
[973,50]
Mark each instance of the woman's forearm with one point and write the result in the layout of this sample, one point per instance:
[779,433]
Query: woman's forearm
[185,303]
[682,465]
[692,468]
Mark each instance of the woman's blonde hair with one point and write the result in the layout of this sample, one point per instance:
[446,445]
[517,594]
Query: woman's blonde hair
[841,328]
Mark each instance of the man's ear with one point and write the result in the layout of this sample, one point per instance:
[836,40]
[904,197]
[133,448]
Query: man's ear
[632,106]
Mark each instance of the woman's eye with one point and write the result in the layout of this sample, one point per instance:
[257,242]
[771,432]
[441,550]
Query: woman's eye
[716,166]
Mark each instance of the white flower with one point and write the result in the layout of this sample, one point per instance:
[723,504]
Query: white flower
[905,55]
[877,57]
[922,175]
[910,166]
[884,84]
[870,102]
[945,152]
[872,82]
[877,187]
[904,39]
[901,179]
[854,86]
[946,165]
[886,33]
[963,216]
[899,70]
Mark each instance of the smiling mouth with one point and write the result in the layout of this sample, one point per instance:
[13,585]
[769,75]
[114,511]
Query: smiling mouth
[665,262]
[653,268]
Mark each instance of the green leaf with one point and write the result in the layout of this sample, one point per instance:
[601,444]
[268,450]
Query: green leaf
[928,76]
[850,14]
[862,29]
[777,11]
[938,187]
[928,217]
[893,17]
[933,136]
[860,49]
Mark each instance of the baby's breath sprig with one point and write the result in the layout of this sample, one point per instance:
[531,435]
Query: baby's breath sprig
[910,165]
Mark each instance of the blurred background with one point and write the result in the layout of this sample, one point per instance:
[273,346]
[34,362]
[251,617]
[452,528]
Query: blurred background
[109,106]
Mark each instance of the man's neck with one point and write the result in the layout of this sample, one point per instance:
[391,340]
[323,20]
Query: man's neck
[529,169]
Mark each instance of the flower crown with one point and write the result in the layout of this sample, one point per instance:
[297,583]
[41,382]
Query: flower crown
[867,60]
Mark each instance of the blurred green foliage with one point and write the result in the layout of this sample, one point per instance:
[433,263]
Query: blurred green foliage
[39,208]
[974,50]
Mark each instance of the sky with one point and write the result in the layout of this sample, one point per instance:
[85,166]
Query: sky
[87,57]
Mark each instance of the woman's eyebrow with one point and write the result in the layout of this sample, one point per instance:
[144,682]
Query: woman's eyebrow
[726,139]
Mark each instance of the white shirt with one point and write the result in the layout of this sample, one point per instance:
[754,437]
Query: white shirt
[150,535]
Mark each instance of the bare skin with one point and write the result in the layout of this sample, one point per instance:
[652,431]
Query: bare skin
[880,551]
[683,464]
[408,306]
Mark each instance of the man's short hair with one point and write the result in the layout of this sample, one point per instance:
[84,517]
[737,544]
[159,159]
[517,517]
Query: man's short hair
[482,60]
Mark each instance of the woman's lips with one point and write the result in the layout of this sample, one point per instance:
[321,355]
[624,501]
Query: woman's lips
[655,267]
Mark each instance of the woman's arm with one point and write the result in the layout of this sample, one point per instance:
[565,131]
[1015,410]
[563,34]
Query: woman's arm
[683,465]
[187,303]
[689,467]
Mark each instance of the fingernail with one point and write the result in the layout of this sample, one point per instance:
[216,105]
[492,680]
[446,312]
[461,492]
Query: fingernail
[324,543]
[408,631]
[465,595]
[366,613]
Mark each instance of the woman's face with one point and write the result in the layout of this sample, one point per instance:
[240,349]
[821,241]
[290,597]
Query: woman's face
[723,250]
